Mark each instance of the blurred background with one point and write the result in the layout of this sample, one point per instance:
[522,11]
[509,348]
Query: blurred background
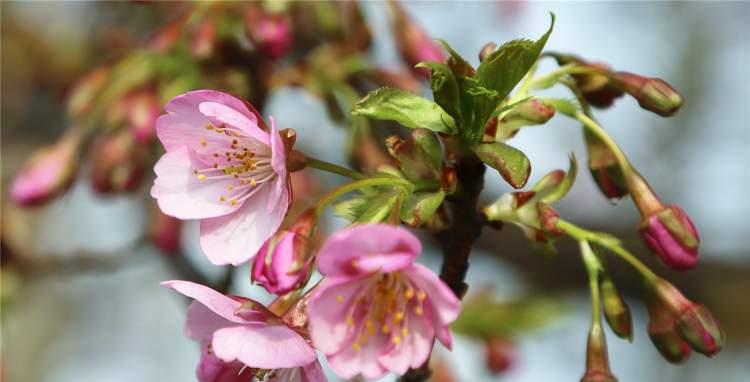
[80,297]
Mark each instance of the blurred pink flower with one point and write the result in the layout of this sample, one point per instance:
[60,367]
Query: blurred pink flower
[238,334]
[223,168]
[377,311]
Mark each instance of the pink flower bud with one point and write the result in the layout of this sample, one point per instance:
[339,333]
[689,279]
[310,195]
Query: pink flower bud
[48,172]
[597,362]
[82,96]
[270,33]
[604,168]
[597,89]
[698,327]
[165,232]
[666,340]
[143,109]
[671,235]
[413,43]
[284,261]
[118,163]
[651,93]
[204,39]
[487,49]
[500,355]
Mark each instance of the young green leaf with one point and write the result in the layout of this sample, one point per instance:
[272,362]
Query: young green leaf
[457,64]
[511,163]
[506,66]
[405,108]
[444,88]
[420,207]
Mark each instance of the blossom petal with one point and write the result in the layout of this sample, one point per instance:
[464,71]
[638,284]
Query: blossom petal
[313,373]
[263,346]
[184,124]
[220,304]
[228,115]
[368,248]
[202,322]
[351,361]
[328,310]
[212,369]
[441,307]
[237,237]
[181,194]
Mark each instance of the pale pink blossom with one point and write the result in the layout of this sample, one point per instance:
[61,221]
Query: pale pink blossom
[223,168]
[241,336]
[377,311]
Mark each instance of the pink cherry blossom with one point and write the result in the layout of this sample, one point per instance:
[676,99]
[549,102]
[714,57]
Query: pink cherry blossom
[237,334]
[280,265]
[221,167]
[377,311]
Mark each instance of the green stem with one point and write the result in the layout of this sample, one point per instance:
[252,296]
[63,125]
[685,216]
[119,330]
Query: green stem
[593,268]
[561,71]
[334,194]
[334,168]
[594,127]
[607,242]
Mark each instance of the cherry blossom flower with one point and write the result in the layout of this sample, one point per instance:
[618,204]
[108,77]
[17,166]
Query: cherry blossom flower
[239,335]
[223,168]
[377,311]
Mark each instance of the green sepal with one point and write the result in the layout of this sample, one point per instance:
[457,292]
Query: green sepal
[420,207]
[512,164]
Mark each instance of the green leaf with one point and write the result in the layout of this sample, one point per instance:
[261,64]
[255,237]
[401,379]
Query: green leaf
[554,191]
[511,163]
[379,208]
[458,65]
[444,88]
[506,66]
[420,207]
[405,108]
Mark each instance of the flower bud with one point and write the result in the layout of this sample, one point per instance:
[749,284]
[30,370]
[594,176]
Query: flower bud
[616,311]
[270,33]
[413,43]
[679,322]
[204,39]
[604,168]
[165,231]
[85,92]
[118,163]
[487,49]
[143,109]
[697,326]
[671,235]
[529,113]
[48,172]
[597,89]
[597,363]
[500,355]
[284,262]
[420,155]
[651,93]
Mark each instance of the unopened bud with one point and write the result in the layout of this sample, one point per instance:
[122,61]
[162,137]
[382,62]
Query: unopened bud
[597,89]
[143,109]
[271,33]
[165,232]
[166,37]
[671,235]
[420,156]
[48,172]
[413,43]
[604,168]
[487,49]
[597,362]
[698,327]
[118,163]
[666,340]
[83,95]
[651,93]
[204,39]
[616,311]
[500,355]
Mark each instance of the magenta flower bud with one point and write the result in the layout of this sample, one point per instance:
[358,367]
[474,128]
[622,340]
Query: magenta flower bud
[651,93]
[597,362]
[165,232]
[270,33]
[284,262]
[143,109]
[204,39]
[698,327]
[118,163]
[48,172]
[413,43]
[671,235]
[500,355]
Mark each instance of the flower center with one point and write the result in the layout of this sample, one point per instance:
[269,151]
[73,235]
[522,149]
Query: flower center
[386,303]
[240,161]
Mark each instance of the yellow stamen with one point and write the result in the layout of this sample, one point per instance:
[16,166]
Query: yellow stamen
[201,177]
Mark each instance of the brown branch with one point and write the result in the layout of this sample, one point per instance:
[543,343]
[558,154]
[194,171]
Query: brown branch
[457,241]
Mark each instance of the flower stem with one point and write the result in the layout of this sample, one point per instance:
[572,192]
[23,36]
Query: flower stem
[607,242]
[334,168]
[334,194]
[593,268]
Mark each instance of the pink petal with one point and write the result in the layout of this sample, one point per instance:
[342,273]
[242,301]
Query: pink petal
[184,124]
[313,373]
[220,304]
[202,322]
[237,237]
[327,312]
[263,346]
[278,150]
[441,306]
[230,116]
[349,362]
[414,349]
[181,194]
[371,247]
[212,369]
